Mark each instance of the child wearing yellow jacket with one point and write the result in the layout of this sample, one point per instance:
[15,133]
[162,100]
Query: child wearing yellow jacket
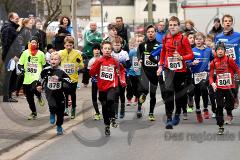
[71,61]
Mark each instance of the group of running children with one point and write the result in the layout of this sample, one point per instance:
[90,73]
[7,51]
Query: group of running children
[181,71]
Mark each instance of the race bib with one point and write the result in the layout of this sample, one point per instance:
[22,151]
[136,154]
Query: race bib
[174,63]
[32,68]
[135,62]
[53,84]
[69,68]
[231,53]
[198,77]
[149,63]
[224,79]
[107,73]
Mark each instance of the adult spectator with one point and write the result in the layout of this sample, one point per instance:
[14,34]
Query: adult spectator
[123,32]
[10,52]
[42,37]
[62,33]
[189,26]
[25,34]
[160,31]
[217,27]
[91,37]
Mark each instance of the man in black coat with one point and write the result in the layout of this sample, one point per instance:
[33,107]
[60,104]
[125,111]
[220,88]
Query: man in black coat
[11,51]
[122,31]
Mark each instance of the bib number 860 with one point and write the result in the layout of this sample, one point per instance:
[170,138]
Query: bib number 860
[106,75]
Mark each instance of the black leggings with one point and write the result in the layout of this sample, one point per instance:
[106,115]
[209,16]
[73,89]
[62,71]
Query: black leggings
[175,83]
[132,87]
[30,92]
[228,103]
[9,86]
[72,92]
[58,110]
[201,90]
[120,95]
[149,76]
[107,100]
[94,96]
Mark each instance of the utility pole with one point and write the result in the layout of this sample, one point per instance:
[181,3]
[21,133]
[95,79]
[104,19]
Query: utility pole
[66,5]
[150,12]
[102,15]
[74,23]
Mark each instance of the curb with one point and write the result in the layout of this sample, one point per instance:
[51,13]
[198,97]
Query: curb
[35,135]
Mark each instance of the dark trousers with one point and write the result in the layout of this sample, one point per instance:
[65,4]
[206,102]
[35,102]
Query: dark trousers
[94,96]
[228,103]
[9,86]
[20,79]
[201,89]
[58,109]
[30,92]
[107,100]
[86,76]
[120,94]
[132,87]
[176,90]
[212,96]
[149,76]
[72,92]
[162,87]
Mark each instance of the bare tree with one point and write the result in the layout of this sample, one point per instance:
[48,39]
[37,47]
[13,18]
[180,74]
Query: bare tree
[53,11]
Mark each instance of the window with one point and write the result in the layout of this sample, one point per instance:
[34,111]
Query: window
[173,6]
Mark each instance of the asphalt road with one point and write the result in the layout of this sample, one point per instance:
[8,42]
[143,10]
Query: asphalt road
[139,139]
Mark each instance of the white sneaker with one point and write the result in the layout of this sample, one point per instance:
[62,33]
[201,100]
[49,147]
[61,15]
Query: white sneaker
[213,115]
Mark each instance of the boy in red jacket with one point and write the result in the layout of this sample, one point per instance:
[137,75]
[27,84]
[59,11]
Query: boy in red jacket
[108,70]
[176,50]
[224,85]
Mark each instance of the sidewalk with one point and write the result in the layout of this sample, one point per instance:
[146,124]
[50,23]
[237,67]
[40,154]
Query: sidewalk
[15,129]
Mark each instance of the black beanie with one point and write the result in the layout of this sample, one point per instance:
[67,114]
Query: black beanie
[49,46]
[96,46]
[34,38]
[220,45]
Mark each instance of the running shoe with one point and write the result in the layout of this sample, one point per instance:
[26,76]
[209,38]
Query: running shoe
[66,112]
[199,117]
[129,102]
[32,116]
[41,102]
[151,117]
[135,101]
[139,114]
[220,130]
[52,118]
[97,117]
[206,114]
[213,115]
[114,123]
[185,116]
[229,119]
[189,109]
[142,98]
[122,113]
[59,130]
[73,113]
[107,130]
[176,120]
[169,124]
